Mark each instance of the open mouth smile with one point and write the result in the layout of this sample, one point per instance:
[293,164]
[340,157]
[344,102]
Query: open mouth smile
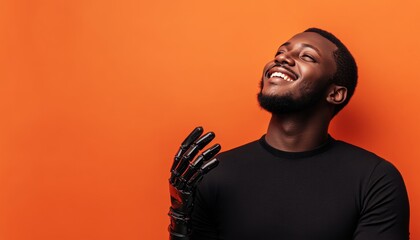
[283,73]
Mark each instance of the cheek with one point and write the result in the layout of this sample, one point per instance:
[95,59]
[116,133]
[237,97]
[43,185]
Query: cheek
[312,73]
[266,67]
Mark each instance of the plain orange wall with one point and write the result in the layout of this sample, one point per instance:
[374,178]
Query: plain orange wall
[96,95]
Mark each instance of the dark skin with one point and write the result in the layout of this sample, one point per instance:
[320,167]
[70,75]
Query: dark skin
[307,64]
[302,66]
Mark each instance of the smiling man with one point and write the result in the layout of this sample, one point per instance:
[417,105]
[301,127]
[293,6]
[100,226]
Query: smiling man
[296,182]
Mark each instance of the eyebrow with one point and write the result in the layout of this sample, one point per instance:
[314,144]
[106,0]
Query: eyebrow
[304,45]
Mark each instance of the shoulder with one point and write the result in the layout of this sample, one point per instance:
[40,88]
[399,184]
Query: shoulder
[233,160]
[241,151]
[355,154]
[383,201]
[365,162]
[243,156]
[353,150]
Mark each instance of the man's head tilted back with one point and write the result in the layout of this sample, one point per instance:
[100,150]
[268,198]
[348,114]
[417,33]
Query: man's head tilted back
[311,66]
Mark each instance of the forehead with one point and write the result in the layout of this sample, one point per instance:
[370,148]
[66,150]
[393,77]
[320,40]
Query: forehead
[324,45]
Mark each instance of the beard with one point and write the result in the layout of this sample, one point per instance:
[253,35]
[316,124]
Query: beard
[286,103]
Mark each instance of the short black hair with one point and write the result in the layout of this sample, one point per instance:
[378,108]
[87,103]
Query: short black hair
[346,74]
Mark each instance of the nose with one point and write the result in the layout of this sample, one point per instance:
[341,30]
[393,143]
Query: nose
[284,58]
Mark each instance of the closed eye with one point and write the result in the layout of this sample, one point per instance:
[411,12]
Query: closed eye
[308,58]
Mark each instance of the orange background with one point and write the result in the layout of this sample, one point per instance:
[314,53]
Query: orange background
[96,96]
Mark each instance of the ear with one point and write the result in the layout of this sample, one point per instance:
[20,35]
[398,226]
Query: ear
[336,94]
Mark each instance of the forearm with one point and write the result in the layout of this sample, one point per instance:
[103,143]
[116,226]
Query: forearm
[180,227]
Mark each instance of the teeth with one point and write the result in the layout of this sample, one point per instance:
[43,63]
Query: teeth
[281,75]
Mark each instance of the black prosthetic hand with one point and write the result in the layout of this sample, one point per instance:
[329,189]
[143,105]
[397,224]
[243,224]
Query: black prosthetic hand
[186,173]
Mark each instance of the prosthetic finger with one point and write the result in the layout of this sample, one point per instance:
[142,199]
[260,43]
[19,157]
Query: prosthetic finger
[196,133]
[202,171]
[195,165]
[191,152]
[199,144]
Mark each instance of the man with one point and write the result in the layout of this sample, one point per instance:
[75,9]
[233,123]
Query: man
[296,182]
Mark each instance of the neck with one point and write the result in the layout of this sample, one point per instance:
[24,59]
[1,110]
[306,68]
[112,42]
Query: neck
[297,132]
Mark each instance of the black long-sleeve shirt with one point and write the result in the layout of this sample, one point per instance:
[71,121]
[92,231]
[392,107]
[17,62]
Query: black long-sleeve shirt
[338,192]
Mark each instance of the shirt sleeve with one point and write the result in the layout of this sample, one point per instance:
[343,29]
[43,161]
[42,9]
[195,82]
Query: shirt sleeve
[385,207]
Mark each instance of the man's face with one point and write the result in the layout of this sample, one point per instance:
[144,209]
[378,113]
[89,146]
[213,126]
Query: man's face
[298,75]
